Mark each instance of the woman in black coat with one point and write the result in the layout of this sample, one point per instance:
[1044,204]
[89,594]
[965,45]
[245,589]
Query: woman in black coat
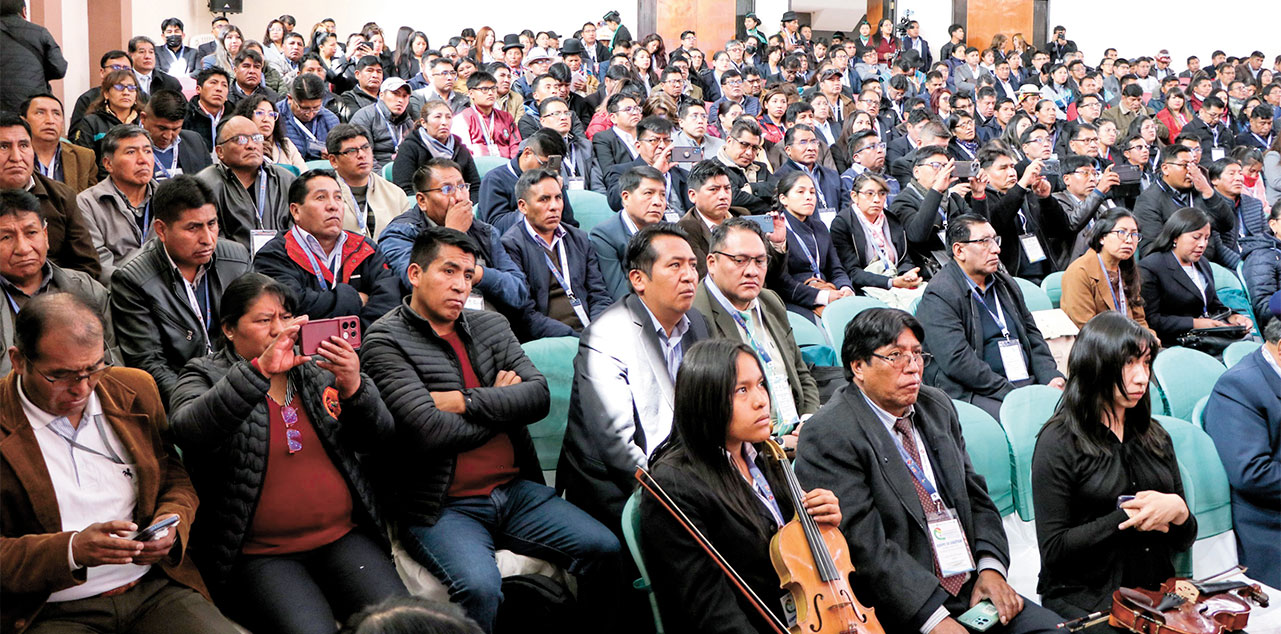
[864,234]
[735,496]
[813,276]
[117,105]
[1178,284]
[1110,509]
[432,139]
[289,535]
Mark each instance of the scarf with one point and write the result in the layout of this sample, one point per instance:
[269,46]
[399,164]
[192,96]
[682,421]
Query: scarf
[438,149]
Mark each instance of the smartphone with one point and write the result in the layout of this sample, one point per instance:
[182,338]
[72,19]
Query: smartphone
[314,332]
[981,617]
[1128,173]
[966,169]
[687,154]
[766,221]
[1122,499]
[554,162]
[149,533]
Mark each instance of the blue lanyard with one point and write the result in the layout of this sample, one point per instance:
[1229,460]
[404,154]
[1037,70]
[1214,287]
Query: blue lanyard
[1118,302]
[800,239]
[760,350]
[262,194]
[818,189]
[395,141]
[12,302]
[1174,195]
[998,316]
[315,266]
[919,473]
[560,279]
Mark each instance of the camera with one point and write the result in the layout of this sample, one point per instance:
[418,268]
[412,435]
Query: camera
[900,29]
[1128,173]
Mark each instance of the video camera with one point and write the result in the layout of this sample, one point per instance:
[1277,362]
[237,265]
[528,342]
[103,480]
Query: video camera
[900,29]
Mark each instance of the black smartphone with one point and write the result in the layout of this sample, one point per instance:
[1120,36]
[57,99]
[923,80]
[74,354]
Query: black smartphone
[554,162]
[149,533]
[1128,173]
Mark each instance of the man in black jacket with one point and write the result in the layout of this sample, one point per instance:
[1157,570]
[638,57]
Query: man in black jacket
[462,393]
[369,79]
[164,301]
[207,108]
[1182,184]
[749,178]
[333,273]
[928,203]
[892,452]
[29,57]
[1020,209]
[177,151]
[142,52]
[977,325]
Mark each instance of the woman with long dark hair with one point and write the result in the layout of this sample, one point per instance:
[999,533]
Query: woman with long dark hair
[884,42]
[1110,510]
[1175,114]
[276,146]
[1106,277]
[812,276]
[290,536]
[117,104]
[713,468]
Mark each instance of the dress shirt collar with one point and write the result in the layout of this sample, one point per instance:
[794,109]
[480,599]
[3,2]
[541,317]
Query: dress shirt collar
[312,244]
[40,419]
[715,292]
[46,276]
[556,236]
[1271,361]
[678,332]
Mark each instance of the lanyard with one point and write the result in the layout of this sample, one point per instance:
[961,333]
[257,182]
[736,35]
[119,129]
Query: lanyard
[316,266]
[569,162]
[818,189]
[485,129]
[562,278]
[12,302]
[800,239]
[1196,273]
[262,194]
[173,164]
[102,433]
[760,350]
[1263,142]
[998,316]
[206,311]
[1174,195]
[872,232]
[305,130]
[52,168]
[919,473]
[1119,302]
[395,139]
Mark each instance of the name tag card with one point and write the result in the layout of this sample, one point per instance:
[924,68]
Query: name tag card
[948,540]
[260,237]
[1012,359]
[1032,248]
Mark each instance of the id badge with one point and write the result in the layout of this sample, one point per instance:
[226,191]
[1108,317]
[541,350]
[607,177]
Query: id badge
[576,183]
[788,417]
[1217,153]
[1012,359]
[260,237]
[671,215]
[827,215]
[948,540]
[943,236]
[475,301]
[577,305]
[1032,248]
[492,149]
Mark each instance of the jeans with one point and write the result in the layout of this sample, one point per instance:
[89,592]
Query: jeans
[525,518]
[304,593]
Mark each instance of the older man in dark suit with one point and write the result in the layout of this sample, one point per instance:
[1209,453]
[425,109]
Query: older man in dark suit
[892,452]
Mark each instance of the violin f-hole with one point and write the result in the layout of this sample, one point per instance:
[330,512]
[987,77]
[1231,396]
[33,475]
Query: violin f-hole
[818,624]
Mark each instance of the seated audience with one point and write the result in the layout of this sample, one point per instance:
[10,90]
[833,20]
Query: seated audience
[117,104]
[277,148]
[1178,285]
[977,326]
[654,148]
[84,570]
[711,190]
[883,435]
[813,275]
[928,203]
[749,178]
[26,272]
[617,144]
[387,121]
[117,211]
[643,191]
[497,202]
[164,301]
[370,202]
[442,201]
[871,245]
[330,271]
[206,109]
[1084,200]
[800,149]
[63,161]
[723,404]
[70,245]
[258,419]
[433,139]
[249,194]
[1180,185]
[1100,445]
[174,149]
[485,129]
[1020,209]
[1242,417]
[368,75]
[307,121]
[462,394]
[621,407]
[1106,276]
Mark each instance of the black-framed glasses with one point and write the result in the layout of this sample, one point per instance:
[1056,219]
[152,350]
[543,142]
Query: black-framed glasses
[485,89]
[242,139]
[70,378]
[558,113]
[1126,236]
[449,189]
[988,242]
[741,261]
[353,151]
[900,360]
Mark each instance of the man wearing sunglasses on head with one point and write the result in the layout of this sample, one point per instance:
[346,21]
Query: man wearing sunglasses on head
[249,194]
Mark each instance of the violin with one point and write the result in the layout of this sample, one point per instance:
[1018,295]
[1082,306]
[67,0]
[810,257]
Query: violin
[813,563]
[1181,606]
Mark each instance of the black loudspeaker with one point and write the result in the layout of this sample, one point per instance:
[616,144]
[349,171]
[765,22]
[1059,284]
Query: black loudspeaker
[226,6]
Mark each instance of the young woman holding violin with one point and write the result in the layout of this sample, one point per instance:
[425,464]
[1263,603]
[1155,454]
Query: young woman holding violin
[719,473]
[1110,510]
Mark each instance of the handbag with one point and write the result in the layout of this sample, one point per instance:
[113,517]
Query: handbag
[1212,341]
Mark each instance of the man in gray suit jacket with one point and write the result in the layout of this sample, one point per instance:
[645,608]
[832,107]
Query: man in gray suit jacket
[866,445]
[625,374]
[644,202]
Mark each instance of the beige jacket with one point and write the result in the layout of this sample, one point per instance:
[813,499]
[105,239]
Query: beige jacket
[384,198]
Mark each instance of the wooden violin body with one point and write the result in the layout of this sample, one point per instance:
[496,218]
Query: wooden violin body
[813,563]
[1184,607]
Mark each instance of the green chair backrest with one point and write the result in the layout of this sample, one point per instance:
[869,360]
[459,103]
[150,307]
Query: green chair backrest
[1185,375]
[554,357]
[916,303]
[292,169]
[1033,297]
[486,163]
[1238,351]
[590,208]
[1198,411]
[1258,327]
[1053,287]
[839,313]
[631,534]
[1231,291]
[387,171]
[989,452]
[319,164]
[1205,482]
[804,331]
[1023,413]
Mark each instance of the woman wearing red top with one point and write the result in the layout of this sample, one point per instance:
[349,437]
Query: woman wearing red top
[773,107]
[1175,114]
[884,42]
[288,535]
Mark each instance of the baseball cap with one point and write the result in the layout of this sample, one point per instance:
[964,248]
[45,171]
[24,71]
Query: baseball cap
[392,84]
[536,54]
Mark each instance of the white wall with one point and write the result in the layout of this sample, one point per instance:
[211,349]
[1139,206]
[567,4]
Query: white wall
[75,45]
[1185,27]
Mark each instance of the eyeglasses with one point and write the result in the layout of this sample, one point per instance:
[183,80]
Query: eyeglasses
[125,87]
[558,113]
[696,116]
[242,139]
[1184,164]
[445,73]
[934,165]
[629,110]
[353,151]
[270,114]
[1088,140]
[70,378]
[900,360]
[881,146]
[1141,146]
[873,193]
[988,242]
[1086,172]
[305,109]
[806,143]
[734,82]
[450,189]
[750,146]
[657,141]
[485,89]
[1126,236]
[741,261]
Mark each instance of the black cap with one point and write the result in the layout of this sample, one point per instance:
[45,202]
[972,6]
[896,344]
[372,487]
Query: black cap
[788,16]
[572,46]
[612,16]
[511,40]
[553,35]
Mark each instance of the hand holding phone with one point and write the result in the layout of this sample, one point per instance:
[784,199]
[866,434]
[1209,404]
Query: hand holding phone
[152,532]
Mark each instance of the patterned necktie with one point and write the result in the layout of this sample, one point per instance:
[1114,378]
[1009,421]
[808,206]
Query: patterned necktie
[903,426]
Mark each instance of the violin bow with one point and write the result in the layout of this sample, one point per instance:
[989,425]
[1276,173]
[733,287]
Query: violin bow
[641,476]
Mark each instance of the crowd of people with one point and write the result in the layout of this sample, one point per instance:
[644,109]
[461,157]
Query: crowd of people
[168,247]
